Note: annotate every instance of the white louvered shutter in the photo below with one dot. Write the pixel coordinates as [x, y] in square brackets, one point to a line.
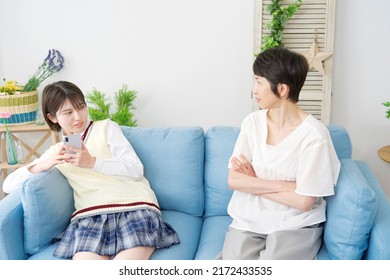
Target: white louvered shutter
[314, 17]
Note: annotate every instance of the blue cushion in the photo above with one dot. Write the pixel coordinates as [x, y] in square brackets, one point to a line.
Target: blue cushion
[213, 236]
[173, 161]
[47, 201]
[46, 254]
[188, 228]
[341, 141]
[379, 242]
[220, 141]
[350, 215]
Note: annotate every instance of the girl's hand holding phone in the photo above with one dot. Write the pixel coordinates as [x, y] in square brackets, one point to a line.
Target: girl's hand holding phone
[55, 159]
[79, 157]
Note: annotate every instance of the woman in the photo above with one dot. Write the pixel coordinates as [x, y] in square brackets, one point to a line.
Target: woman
[282, 166]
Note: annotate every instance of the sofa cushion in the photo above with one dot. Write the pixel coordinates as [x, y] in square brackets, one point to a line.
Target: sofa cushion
[341, 141]
[47, 201]
[188, 229]
[350, 215]
[173, 160]
[213, 236]
[46, 254]
[378, 243]
[219, 141]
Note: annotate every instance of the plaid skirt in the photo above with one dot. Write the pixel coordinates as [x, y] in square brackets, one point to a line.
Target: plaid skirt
[108, 234]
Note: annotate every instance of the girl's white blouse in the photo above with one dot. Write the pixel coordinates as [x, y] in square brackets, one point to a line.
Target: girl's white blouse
[306, 156]
[124, 161]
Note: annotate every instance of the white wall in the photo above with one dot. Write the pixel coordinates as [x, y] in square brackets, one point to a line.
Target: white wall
[361, 79]
[190, 60]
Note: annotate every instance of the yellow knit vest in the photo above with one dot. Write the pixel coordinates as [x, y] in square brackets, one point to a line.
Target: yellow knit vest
[98, 193]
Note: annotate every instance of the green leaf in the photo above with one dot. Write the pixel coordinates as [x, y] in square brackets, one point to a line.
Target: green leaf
[280, 16]
[99, 107]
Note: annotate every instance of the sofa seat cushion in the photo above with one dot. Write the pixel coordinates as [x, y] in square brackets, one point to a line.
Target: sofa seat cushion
[46, 254]
[212, 237]
[47, 201]
[188, 228]
[350, 215]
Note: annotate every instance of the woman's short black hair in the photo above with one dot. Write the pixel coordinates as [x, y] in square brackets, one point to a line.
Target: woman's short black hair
[281, 66]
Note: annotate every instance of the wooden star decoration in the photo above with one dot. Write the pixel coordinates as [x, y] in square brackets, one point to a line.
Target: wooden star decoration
[315, 58]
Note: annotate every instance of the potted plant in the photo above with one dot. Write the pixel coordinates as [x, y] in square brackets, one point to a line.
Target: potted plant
[99, 106]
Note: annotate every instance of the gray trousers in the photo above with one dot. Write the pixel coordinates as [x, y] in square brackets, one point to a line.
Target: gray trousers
[300, 244]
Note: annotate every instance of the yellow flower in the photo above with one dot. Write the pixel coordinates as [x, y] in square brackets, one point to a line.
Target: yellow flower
[11, 87]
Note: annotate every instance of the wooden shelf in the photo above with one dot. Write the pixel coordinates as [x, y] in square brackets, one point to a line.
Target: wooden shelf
[25, 128]
[33, 150]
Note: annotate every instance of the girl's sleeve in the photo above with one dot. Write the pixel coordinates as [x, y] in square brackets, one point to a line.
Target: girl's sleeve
[124, 160]
[16, 179]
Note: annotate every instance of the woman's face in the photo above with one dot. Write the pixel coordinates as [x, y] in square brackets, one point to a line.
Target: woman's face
[263, 93]
[70, 119]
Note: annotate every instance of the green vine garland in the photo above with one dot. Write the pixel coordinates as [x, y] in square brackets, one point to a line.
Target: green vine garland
[280, 15]
[387, 104]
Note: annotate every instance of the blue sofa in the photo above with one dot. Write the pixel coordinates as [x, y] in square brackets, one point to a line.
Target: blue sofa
[187, 168]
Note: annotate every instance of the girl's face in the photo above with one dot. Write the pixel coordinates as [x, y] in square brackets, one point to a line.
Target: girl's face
[70, 119]
[263, 94]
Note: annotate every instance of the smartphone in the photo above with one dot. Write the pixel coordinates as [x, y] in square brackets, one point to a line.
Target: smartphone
[73, 140]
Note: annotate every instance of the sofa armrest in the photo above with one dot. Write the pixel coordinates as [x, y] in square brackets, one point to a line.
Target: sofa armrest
[48, 204]
[379, 241]
[11, 228]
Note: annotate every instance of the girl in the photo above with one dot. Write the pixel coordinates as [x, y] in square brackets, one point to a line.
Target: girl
[117, 214]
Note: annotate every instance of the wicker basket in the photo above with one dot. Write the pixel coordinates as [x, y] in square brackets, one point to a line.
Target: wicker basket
[22, 107]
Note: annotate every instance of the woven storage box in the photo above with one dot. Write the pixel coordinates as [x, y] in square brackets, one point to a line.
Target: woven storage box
[22, 107]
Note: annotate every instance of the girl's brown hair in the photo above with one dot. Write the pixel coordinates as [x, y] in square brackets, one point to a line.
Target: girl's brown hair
[53, 97]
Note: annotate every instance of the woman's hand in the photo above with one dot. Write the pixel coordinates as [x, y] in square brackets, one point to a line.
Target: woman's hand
[242, 177]
[81, 158]
[242, 165]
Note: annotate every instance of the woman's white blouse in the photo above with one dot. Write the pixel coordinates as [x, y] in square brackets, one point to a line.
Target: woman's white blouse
[306, 156]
